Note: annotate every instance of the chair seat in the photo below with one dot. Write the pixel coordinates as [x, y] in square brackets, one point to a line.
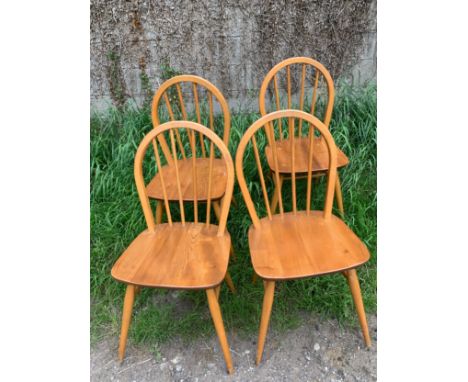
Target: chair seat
[301, 151]
[218, 182]
[296, 246]
[187, 257]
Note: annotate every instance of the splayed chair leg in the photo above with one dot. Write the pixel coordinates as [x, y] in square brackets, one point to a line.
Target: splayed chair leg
[217, 211]
[266, 312]
[353, 282]
[219, 326]
[274, 199]
[339, 195]
[126, 319]
[159, 211]
[229, 282]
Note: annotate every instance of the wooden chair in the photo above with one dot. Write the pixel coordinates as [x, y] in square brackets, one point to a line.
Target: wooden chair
[193, 89]
[300, 243]
[322, 85]
[180, 255]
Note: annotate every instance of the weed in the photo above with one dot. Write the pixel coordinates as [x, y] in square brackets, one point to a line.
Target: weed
[115, 76]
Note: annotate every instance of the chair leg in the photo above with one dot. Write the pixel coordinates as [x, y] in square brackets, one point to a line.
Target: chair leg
[159, 211]
[219, 326]
[229, 282]
[232, 253]
[216, 208]
[353, 282]
[254, 277]
[266, 312]
[274, 199]
[227, 278]
[217, 290]
[338, 195]
[126, 319]
[217, 211]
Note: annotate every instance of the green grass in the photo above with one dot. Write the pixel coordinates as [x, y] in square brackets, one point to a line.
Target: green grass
[116, 218]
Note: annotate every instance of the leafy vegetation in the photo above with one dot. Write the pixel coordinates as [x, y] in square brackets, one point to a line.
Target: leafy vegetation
[116, 218]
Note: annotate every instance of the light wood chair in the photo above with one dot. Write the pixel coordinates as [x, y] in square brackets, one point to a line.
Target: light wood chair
[300, 243]
[301, 69]
[180, 255]
[184, 94]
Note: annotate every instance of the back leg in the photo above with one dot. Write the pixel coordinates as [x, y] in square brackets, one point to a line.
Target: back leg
[353, 282]
[159, 211]
[219, 326]
[217, 211]
[274, 199]
[229, 282]
[339, 195]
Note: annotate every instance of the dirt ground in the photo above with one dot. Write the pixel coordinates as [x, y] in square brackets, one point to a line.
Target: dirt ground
[316, 351]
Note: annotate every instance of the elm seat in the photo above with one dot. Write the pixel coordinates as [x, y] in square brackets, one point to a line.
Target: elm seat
[296, 246]
[301, 151]
[218, 182]
[189, 257]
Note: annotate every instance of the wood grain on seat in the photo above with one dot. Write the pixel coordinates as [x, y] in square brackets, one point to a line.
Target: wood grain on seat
[301, 245]
[301, 151]
[189, 257]
[218, 179]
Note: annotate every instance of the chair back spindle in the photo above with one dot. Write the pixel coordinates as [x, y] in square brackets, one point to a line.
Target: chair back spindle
[163, 183]
[176, 167]
[197, 111]
[293, 157]
[301, 95]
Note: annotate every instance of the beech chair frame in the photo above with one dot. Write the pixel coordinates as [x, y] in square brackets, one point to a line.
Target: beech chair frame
[320, 70]
[213, 93]
[294, 219]
[125, 269]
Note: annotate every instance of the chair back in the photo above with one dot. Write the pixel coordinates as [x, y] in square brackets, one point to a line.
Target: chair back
[302, 75]
[215, 148]
[256, 134]
[188, 97]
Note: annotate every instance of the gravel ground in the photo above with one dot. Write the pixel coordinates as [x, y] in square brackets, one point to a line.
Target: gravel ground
[316, 351]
